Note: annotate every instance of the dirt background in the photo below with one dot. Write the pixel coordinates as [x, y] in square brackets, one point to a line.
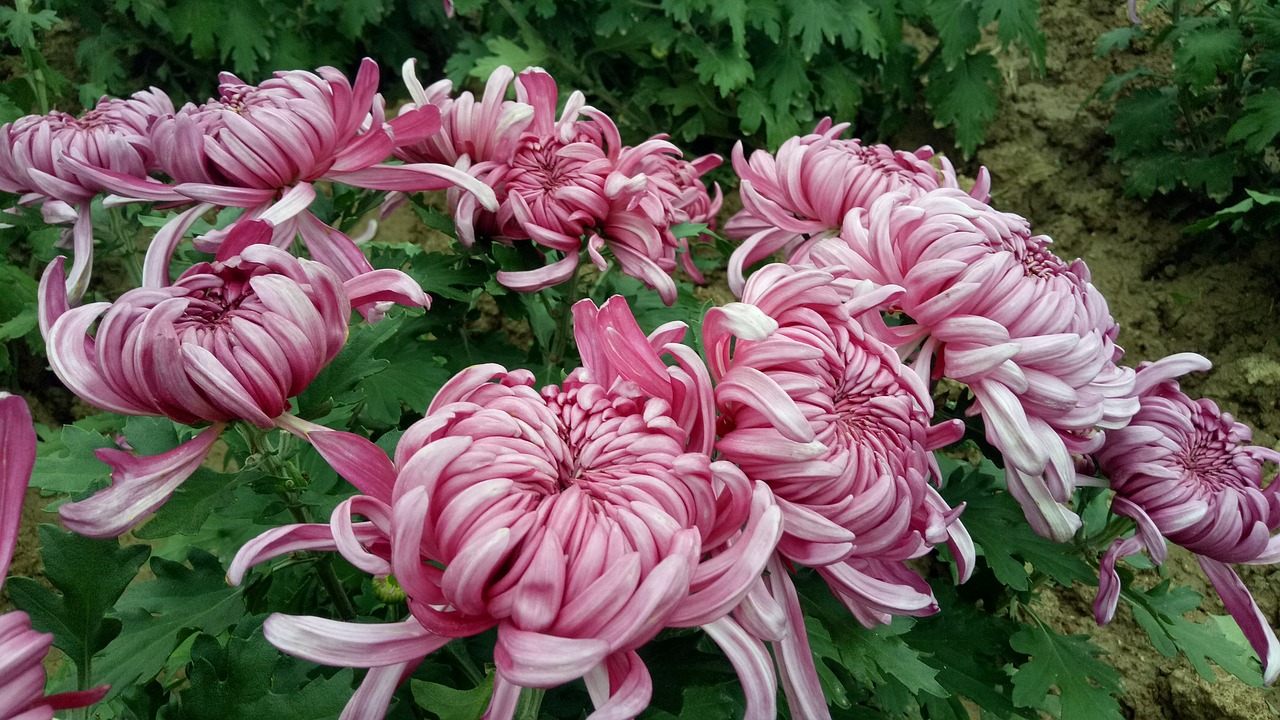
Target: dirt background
[1047, 155]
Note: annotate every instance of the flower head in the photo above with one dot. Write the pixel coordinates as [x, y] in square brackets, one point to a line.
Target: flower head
[804, 192]
[22, 649]
[991, 306]
[483, 131]
[229, 340]
[113, 136]
[580, 520]
[1183, 470]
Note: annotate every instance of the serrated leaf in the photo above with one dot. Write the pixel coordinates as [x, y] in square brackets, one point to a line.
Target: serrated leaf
[1000, 530]
[964, 97]
[20, 23]
[726, 68]
[1141, 120]
[1087, 687]
[88, 577]
[185, 512]
[1117, 39]
[157, 615]
[956, 22]
[248, 678]
[1205, 51]
[503, 51]
[1017, 22]
[1260, 122]
[65, 462]
[411, 378]
[1161, 611]
[199, 22]
[450, 703]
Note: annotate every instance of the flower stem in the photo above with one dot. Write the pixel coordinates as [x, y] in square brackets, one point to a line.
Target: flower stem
[459, 652]
[529, 704]
[563, 315]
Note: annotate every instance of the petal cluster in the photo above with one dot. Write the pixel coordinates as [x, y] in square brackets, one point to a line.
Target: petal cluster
[1184, 471]
[579, 520]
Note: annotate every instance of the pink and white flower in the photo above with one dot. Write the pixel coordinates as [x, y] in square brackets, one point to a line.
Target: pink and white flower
[828, 416]
[580, 520]
[1183, 470]
[804, 192]
[991, 306]
[260, 147]
[112, 136]
[22, 649]
[229, 340]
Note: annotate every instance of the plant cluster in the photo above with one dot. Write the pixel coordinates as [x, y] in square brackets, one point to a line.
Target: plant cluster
[1197, 120]
[560, 483]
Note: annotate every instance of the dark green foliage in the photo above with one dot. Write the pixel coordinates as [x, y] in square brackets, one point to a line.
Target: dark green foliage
[1161, 611]
[1086, 686]
[1201, 130]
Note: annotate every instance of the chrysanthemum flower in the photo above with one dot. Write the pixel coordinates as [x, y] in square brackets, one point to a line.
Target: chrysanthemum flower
[112, 136]
[229, 340]
[483, 131]
[258, 145]
[804, 193]
[22, 649]
[991, 306]
[840, 430]
[567, 179]
[1183, 470]
[580, 520]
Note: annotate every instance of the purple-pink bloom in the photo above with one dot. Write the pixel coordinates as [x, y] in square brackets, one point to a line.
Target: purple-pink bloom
[580, 520]
[840, 430]
[482, 131]
[22, 649]
[804, 192]
[229, 340]
[991, 306]
[261, 146]
[1183, 470]
[112, 136]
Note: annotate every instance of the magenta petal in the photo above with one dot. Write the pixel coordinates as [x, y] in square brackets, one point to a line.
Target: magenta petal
[751, 661]
[139, 485]
[288, 539]
[82, 249]
[18, 440]
[528, 281]
[385, 286]
[534, 659]
[155, 267]
[1104, 605]
[373, 697]
[52, 295]
[356, 645]
[1235, 596]
[357, 460]
[628, 691]
[799, 675]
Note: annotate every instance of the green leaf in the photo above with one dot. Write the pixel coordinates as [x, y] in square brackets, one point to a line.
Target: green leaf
[1260, 122]
[88, 577]
[185, 512]
[451, 704]
[964, 97]
[1018, 22]
[1142, 119]
[65, 462]
[1161, 611]
[506, 52]
[159, 614]
[1118, 39]
[727, 68]
[248, 678]
[1000, 530]
[411, 378]
[1087, 687]
[20, 23]
[354, 363]
[198, 21]
[957, 25]
[699, 702]
[1205, 51]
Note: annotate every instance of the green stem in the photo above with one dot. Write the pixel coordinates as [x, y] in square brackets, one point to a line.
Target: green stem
[529, 704]
[564, 322]
[459, 652]
[324, 568]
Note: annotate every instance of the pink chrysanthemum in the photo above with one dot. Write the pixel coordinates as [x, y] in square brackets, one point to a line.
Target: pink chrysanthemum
[261, 146]
[482, 131]
[580, 520]
[112, 136]
[804, 192]
[22, 649]
[840, 430]
[233, 339]
[1183, 470]
[991, 306]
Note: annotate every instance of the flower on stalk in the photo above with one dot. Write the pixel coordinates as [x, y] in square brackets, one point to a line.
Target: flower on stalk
[991, 306]
[482, 131]
[1183, 470]
[567, 178]
[22, 649]
[804, 193]
[112, 136]
[260, 147]
[229, 340]
[580, 520]
[840, 430]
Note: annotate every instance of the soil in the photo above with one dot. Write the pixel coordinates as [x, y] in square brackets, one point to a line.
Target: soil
[1047, 155]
